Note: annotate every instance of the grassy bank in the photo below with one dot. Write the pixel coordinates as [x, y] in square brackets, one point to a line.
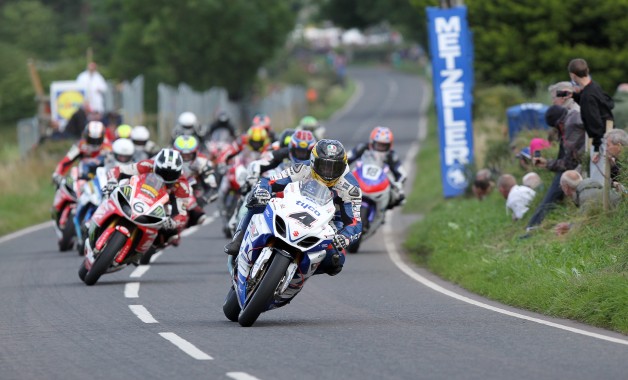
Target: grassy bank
[582, 275]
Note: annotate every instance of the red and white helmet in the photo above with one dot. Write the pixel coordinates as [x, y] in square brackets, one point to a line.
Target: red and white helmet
[381, 139]
[94, 134]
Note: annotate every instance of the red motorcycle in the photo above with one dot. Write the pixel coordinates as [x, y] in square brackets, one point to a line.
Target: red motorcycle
[125, 226]
[64, 204]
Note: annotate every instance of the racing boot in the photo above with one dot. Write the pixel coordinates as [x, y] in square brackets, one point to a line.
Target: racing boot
[233, 247]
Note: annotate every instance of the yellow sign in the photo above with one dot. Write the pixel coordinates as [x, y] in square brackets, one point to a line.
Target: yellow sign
[68, 102]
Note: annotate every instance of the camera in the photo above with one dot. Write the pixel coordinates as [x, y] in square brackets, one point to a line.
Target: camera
[537, 153]
[562, 94]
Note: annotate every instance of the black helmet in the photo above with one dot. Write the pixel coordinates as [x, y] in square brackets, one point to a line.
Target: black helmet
[328, 161]
[168, 165]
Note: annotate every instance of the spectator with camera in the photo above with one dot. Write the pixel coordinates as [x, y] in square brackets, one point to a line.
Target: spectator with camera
[571, 146]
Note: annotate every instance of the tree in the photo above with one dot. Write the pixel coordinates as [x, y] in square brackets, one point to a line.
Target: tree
[203, 43]
[30, 26]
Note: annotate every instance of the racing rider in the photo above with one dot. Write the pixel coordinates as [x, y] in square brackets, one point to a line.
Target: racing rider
[381, 141]
[328, 165]
[168, 164]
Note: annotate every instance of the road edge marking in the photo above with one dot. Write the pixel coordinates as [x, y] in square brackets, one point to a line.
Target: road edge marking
[25, 231]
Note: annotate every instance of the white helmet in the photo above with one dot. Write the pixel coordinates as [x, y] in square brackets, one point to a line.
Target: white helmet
[168, 165]
[140, 135]
[188, 120]
[123, 151]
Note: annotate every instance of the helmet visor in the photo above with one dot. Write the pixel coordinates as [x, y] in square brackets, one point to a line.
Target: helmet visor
[122, 158]
[95, 141]
[188, 157]
[257, 145]
[300, 153]
[329, 170]
[381, 147]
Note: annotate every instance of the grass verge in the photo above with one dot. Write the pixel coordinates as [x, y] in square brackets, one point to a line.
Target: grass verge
[581, 276]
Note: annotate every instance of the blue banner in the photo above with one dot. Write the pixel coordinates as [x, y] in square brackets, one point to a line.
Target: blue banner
[451, 52]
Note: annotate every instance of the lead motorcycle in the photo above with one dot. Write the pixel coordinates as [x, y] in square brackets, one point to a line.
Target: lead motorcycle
[372, 175]
[282, 248]
[124, 226]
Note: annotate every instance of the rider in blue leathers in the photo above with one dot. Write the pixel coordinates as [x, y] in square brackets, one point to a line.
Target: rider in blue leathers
[328, 165]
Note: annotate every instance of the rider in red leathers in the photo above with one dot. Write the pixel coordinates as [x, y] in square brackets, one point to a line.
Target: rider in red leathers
[168, 164]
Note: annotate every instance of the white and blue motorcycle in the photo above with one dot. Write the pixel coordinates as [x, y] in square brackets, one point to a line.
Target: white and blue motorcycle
[282, 248]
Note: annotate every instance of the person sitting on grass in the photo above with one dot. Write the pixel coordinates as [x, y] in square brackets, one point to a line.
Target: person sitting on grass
[585, 193]
[482, 185]
[517, 197]
[616, 141]
[532, 180]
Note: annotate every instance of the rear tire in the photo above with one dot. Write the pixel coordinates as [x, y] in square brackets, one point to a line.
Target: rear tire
[231, 307]
[82, 271]
[105, 258]
[265, 292]
[68, 234]
[364, 215]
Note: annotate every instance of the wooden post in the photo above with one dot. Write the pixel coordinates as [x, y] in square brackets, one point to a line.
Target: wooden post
[607, 173]
[89, 55]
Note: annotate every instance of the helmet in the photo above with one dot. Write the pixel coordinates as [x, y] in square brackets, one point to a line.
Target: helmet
[123, 150]
[188, 120]
[223, 117]
[262, 120]
[381, 139]
[257, 138]
[301, 145]
[187, 146]
[284, 137]
[309, 123]
[328, 161]
[123, 131]
[94, 134]
[140, 135]
[168, 165]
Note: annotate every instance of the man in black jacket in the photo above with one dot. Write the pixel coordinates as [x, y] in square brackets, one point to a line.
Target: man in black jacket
[595, 104]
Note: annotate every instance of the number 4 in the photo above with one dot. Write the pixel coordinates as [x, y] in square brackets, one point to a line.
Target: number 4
[304, 218]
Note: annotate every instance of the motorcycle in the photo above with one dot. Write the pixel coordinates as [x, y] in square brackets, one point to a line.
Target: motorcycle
[372, 175]
[89, 200]
[64, 203]
[282, 248]
[124, 226]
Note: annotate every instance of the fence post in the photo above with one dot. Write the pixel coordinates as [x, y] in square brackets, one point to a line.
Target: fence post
[607, 172]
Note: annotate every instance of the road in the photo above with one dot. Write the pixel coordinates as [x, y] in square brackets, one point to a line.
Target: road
[372, 321]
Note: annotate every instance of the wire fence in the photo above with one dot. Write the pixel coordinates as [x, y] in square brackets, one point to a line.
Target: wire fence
[28, 134]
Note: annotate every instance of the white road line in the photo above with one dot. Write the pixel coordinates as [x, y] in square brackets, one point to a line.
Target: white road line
[132, 290]
[241, 376]
[143, 314]
[25, 231]
[139, 271]
[154, 257]
[186, 346]
[189, 231]
[395, 257]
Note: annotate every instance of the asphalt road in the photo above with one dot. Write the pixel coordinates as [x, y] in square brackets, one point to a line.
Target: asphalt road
[370, 322]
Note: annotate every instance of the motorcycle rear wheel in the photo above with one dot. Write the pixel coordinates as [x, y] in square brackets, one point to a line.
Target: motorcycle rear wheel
[265, 292]
[105, 258]
[231, 307]
[364, 215]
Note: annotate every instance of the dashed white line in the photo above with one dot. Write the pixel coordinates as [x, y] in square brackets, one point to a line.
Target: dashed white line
[154, 257]
[186, 346]
[132, 290]
[143, 314]
[139, 271]
[241, 376]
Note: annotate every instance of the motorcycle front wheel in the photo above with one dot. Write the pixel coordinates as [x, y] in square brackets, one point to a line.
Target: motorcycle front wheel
[263, 295]
[105, 258]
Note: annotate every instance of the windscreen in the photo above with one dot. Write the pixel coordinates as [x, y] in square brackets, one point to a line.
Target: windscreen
[316, 192]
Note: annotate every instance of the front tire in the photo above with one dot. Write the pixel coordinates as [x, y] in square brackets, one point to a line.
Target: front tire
[105, 258]
[82, 271]
[265, 292]
[231, 307]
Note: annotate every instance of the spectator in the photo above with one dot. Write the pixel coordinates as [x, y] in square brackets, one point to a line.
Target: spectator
[532, 180]
[538, 144]
[616, 140]
[562, 95]
[571, 145]
[79, 119]
[585, 193]
[482, 185]
[95, 87]
[517, 197]
[524, 157]
[111, 120]
[595, 106]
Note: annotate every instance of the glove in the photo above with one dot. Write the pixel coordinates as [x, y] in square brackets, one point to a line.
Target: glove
[110, 186]
[57, 179]
[340, 242]
[259, 197]
[169, 224]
